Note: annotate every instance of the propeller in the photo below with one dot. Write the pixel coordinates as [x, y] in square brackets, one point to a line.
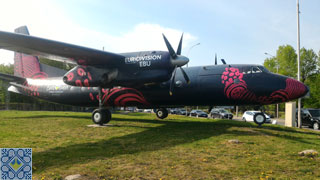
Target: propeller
[177, 60]
[223, 61]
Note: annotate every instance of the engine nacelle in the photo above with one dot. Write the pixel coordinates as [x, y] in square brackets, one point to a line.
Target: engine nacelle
[127, 75]
[89, 76]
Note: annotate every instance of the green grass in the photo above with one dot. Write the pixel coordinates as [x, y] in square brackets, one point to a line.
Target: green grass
[139, 146]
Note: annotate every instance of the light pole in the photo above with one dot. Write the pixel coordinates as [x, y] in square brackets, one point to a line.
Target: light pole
[298, 49]
[191, 48]
[277, 73]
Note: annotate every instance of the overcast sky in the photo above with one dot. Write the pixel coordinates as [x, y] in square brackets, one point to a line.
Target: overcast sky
[238, 31]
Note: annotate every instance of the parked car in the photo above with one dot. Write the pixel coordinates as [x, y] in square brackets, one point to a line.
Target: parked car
[131, 109]
[198, 113]
[147, 110]
[310, 118]
[173, 111]
[181, 112]
[221, 114]
[248, 116]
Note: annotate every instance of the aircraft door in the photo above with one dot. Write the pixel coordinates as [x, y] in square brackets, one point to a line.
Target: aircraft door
[210, 85]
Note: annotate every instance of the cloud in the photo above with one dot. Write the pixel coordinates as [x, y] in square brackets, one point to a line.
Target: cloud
[142, 37]
[47, 20]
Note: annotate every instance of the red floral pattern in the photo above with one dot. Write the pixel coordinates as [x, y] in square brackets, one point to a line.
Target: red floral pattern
[239, 91]
[120, 97]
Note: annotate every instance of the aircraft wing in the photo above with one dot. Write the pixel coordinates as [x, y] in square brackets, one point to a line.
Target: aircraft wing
[58, 51]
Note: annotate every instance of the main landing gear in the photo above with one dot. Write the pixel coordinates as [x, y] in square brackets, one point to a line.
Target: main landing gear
[162, 113]
[101, 115]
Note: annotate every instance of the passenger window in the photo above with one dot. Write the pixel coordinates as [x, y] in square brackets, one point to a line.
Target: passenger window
[246, 70]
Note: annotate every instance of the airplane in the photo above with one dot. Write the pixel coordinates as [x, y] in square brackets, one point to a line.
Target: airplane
[147, 79]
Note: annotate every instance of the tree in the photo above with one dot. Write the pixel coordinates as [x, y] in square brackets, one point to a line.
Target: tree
[7, 69]
[271, 64]
[313, 82]
[287, 60]
[57, 64]
[308, 63]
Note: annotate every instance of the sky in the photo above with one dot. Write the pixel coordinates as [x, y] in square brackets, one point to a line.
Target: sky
[238, 31]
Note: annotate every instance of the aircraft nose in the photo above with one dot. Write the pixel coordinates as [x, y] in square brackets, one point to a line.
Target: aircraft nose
[296, 89]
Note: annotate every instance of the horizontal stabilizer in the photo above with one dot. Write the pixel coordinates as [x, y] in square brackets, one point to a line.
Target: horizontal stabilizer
[10, 78]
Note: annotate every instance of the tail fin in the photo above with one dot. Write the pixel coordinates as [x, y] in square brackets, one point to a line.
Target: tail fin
[28, 66]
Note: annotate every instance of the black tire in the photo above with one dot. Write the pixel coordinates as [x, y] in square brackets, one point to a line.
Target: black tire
[315, 126]
[259, 118]
[108, 116]
[101, 116]
[162, 113]
[244, 119]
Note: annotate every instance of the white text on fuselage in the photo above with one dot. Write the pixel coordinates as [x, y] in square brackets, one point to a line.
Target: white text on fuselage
[144, 61]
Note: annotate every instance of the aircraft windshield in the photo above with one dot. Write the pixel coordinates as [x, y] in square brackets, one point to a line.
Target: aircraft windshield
[263, 69]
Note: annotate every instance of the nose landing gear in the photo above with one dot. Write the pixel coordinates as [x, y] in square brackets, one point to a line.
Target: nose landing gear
[259, 118]
[162, 113]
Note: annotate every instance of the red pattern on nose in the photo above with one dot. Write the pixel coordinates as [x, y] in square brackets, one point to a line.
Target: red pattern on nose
[295, 89]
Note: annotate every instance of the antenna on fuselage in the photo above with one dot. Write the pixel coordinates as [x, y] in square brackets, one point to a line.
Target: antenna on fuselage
[215, 60]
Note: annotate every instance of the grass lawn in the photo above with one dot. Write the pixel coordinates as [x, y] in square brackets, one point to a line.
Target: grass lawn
[139, 146]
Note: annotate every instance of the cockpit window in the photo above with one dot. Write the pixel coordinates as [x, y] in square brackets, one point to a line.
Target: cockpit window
[254, 69]
[263, 69]
[246, 70]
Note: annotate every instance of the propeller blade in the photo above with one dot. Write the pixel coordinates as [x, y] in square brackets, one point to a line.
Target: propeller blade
[185, 76]
[172, 80]
[180, 46]
[215, 60]
[223, 61]
[170, 49]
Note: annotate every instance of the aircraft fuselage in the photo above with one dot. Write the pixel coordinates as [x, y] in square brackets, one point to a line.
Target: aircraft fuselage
[210, 85]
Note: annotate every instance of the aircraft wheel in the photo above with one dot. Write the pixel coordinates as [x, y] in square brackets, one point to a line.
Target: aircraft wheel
[244, 119]
[101, 116]
[259, 118]
[162, 113]
[316, 126]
